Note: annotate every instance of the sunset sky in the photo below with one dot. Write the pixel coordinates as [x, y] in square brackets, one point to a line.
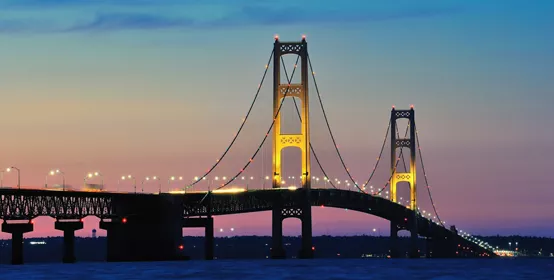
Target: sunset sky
[160, 87]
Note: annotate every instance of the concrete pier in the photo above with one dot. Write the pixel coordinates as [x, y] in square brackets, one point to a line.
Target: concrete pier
[68, 228]
[17, 230]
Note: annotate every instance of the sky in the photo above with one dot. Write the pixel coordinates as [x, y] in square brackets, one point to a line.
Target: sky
[148, 87]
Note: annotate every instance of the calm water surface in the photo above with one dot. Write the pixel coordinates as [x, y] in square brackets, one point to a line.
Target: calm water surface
[291, 269]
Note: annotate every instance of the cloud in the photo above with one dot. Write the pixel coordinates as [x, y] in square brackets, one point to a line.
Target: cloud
[249, 15]
[41, 4]
[14, 26]
[258, 15]
[117, 21]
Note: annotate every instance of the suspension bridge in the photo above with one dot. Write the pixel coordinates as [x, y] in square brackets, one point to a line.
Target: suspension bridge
[148, 226]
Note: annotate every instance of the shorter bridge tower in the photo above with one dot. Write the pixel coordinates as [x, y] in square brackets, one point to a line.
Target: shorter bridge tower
[300, 208]
[407, 176]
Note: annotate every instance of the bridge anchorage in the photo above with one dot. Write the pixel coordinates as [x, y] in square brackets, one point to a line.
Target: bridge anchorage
[148, 227]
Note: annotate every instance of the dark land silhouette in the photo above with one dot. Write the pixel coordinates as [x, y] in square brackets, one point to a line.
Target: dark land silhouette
[49, 249]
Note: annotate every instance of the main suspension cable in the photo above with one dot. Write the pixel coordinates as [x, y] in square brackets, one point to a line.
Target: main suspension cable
[378, 158]
[425, 177]
[265, 137]
[198, 179]
[300, 117]
[395, 164]
[329, 128]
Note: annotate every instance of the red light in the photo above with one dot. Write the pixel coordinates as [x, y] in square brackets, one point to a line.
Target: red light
[304, 37]
[81, 220]
[405, 219]
[181, 247]
[276, 37]
[32, 222]
[393, 106]
[313, 248]
[124, 220]
[412, 106]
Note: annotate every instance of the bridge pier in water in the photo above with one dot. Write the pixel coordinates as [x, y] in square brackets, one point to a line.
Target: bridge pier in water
[393, 241]
[17, 230]
[411, 225]
[277, 249]
[208, 225]
[152, 233]
[68, 228]
[304, 213]
[444, 245]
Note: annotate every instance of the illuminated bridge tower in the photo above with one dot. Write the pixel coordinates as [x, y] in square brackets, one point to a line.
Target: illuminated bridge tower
[301, 207]
[408, 176]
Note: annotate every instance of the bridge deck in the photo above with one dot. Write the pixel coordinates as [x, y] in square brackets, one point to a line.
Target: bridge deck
[28, 204]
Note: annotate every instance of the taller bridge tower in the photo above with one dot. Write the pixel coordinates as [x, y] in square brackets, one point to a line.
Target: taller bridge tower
[408, 176]
[301, 209]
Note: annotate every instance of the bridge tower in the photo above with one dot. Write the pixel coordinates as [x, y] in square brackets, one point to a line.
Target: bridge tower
[302, 207]
[407, 176]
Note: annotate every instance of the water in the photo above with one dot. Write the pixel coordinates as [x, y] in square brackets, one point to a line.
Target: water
[292, 269]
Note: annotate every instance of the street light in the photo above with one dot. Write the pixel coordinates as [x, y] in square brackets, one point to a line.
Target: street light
[251, 178]
[95, 174]
[9, 169]
[152, 178]
[266, 179]
[196, 179]
[210, 183]
[54, 172]
[203, 179]
[129, 177]
[172, 178]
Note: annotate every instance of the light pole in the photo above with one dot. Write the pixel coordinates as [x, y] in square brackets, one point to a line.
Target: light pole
[196, 179]
[95, 174]
[172, 178]
[204, 178]
[1, 179]
[9, 169]
[210, 183]
[266, 179]
[159, 183]
[148, 179]
[54, 172]
[129, 177]
[251, 178]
